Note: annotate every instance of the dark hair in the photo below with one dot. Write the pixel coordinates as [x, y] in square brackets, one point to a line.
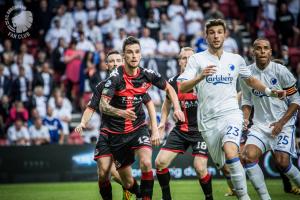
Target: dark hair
[215, 22]
[129, 41]
[261, 39]
[111, 53]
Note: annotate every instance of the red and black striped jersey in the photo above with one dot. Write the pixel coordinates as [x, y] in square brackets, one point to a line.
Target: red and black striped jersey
[126, 92]
[188, 103]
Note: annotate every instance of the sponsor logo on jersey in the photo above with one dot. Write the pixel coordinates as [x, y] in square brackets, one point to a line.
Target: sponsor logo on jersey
[219, 79]
[258, 93]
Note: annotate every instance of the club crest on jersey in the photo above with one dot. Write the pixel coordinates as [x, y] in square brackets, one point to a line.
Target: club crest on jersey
[273, 81]
[231, 67]
[219, 79]
[258, 93]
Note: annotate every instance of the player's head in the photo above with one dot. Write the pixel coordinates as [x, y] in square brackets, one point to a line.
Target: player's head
[215, 33]
[262, 51]
[113, 60]
[183, 57]
[132, 52]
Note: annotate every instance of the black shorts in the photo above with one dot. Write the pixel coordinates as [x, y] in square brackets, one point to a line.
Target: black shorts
[122, 146]
[179, 142]
[102, 149]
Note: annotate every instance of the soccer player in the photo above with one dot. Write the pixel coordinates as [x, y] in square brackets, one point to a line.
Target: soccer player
[103, 155]
[273, 121]
[129, 136]
[214, 72]
[183, 135]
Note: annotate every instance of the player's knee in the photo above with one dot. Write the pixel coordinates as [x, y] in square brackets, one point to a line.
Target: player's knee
[103, 173]
[160, 163]
[201, 170]
[128, 183]
[249, 157]
[145, 164]
[282, 161]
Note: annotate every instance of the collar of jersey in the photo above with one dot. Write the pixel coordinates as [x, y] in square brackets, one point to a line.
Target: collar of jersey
[129, 76]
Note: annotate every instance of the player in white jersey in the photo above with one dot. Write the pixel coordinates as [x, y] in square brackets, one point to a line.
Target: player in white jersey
[214, 72]
[273, 121]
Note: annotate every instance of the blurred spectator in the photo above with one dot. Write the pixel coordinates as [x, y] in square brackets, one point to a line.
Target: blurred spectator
[58, 94]
[4, 114]
[92, 12]
[62, 113]
[87, 70]
[65, 18]
[79, 14]
[100, 75]
[73, 59]
[294, 8]
[176, 14]
[214, 12]
[285, 25]
[80, 27]
[153, 25]
[93, 32]
[118, 23]
[18, 134]
[39, 101]
[41, 58]
[236, 34]
[148, 44]
[44, 16]
[18, 111]
[298, 76]
[230, 44]
[182, 41]
[105, 15]
[168, 47]
[15, 69]
[199, 42]
[5, 83]
[55, 33]
[21, 89]
[284, 56]
[44, 79]
[269, 9]
[165, 25]
[39, 133]
[57, 59]
[84, 44]
[34, 114]
[251, 8]
[132, 22]
[54, 126]
[27, 59]
[91, 132]
[194, 19]
[118, 42]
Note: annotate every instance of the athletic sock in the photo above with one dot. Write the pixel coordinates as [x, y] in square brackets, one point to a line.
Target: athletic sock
[147, 183]
[164, 177]
[238, 178]
[293, 174]
[105, 190]
[134, 189]
[256, 177]
[205, 183]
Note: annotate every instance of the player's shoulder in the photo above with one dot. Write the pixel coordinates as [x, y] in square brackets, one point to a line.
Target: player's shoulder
[149, 72]
[233, 56]
[116, 72]
[278, 67]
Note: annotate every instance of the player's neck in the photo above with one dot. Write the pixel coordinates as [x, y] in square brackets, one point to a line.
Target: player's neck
[262, 66]
[216, 52]
[130, 70]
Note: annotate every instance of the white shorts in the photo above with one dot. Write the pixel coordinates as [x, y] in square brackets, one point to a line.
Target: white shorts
[221, 130]
[285, 140]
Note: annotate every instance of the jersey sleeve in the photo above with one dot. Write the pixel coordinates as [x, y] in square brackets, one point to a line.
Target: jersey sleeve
[244, 71]
[94, 101]
[156, 79]
[246, 94]
[110, 85]
[287, 81]
[191, 70]
[146, 98]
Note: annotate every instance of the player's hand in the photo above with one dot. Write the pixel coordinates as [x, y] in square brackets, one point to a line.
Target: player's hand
[128, 114]
[178, 115]
[281, 94]
[277, 127]
[209, 70]
[161, 130]
[155, 139]
[79, 128]
[245, 125]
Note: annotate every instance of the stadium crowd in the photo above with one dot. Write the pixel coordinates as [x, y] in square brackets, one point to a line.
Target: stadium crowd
[50, 75]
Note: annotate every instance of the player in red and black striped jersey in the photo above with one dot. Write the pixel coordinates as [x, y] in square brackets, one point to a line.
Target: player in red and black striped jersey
[102, 154]
[129, 136]
[183, 135]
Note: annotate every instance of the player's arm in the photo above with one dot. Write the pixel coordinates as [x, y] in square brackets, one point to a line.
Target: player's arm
[294, 99]
[178, 114]
[110, 110]
[165, 110]
[155, 139]
[246, 102]
[87, 115]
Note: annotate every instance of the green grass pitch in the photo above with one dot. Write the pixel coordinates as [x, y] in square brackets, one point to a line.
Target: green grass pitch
[181, 190]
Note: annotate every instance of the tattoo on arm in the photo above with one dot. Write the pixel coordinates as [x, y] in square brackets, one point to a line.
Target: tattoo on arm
[107, 109]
